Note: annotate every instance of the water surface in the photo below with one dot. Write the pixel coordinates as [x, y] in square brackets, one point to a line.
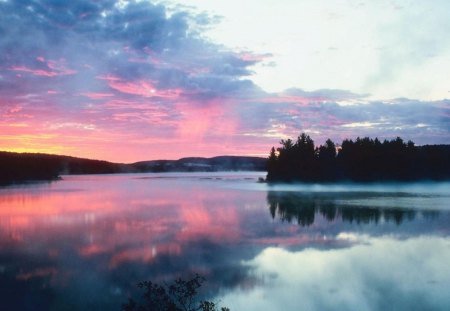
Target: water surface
[82, 243]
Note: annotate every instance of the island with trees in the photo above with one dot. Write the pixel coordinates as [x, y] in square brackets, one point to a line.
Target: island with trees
[362, 160]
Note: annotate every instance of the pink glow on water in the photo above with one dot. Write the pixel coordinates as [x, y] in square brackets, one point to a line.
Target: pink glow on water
[110, 221]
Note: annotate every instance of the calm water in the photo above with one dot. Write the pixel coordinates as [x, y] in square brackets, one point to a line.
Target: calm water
[84, 242]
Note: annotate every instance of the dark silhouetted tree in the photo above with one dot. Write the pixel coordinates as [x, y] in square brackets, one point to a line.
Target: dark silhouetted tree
[326, 157]
[181, 295]
[272, 162]
[364, 159]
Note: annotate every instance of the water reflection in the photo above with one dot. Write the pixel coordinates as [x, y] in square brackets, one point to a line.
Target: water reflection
[379, 274]
[88, 240]
[303, 208]
[83, 243]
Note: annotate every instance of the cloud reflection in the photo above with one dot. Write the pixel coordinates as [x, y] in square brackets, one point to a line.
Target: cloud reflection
[381, 274]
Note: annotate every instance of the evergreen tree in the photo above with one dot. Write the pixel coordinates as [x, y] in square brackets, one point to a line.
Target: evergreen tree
[364, 159]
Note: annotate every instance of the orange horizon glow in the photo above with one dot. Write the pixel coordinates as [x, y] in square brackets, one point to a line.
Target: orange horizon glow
[192, 137]
[127, 157]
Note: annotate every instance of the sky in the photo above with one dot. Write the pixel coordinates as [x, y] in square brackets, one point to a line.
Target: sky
[138, 80]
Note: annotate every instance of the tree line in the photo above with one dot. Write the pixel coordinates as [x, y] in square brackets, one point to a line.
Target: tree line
[22, 167]
[363, 159]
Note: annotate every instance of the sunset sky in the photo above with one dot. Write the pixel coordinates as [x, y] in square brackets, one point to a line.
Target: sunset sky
[140, 80]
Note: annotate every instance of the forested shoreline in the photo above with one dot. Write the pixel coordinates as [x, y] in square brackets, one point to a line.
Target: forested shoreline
[31, 167]
[362, 160]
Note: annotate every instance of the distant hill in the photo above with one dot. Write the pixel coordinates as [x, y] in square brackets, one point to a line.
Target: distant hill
[222, 163]
[23, 167]
[20, 167]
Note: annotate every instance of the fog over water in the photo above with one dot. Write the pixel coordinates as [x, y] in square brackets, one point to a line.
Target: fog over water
[84, 242]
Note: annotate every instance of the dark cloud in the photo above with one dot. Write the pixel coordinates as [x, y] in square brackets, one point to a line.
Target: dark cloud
[324, 94]
[233, 66]
[136, 40]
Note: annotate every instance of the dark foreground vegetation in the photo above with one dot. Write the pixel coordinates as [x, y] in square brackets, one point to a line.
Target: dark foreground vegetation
[24, 167]
[362, 160]
[181, 295]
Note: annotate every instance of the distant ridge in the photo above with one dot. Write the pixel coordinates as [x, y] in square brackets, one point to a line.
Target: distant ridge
[197, 164]
[23, 167]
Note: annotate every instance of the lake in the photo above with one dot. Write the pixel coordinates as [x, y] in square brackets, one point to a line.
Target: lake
[82, 243]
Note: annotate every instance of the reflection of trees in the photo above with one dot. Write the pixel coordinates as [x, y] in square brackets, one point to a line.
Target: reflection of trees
[288, 209]
[397, 216]
[360, 215]
[304, 208]
[430, 215]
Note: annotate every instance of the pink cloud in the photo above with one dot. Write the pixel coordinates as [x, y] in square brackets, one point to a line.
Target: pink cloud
[36, 72]
[198, 122]
[251, 57]
[54, 68]
[14, 109]
[126, 104]
[143, 88]
[108, 77]
[93, 95]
